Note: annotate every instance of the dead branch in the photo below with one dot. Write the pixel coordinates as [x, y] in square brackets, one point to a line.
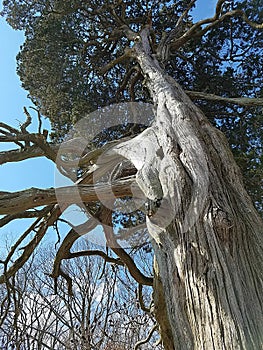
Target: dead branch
[37, 139]
[64, 253]
[17, 202]
[23, 215]
[241, 101]
[27, 122]
[103, 255]
[18, 155]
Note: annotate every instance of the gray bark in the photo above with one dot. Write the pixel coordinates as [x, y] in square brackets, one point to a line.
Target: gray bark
[207, 236]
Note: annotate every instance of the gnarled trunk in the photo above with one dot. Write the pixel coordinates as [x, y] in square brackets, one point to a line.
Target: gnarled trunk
[207, 236]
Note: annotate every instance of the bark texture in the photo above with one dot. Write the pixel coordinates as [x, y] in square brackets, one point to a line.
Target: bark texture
[207, 236]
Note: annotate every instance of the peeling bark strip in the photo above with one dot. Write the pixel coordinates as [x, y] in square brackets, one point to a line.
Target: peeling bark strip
[209, 255]
[16, 202]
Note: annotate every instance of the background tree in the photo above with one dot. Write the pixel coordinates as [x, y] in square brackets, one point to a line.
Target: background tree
[208, 266]
[103, 313]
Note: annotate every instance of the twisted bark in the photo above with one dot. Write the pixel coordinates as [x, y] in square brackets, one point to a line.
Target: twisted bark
[207, 236]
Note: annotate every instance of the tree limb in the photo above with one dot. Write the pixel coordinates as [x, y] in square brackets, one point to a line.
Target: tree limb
[18, 155]
[113, 63]
[105, 217]
[144, 341]
[31, 246]
[23, 215]
[241, 101]
[208, 23]
[16, 202]
[140, 298]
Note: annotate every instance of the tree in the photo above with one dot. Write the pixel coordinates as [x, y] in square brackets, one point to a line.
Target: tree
[102, 313]
[206, 233]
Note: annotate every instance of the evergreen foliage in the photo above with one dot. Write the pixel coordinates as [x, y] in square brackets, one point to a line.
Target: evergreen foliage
[69, 42]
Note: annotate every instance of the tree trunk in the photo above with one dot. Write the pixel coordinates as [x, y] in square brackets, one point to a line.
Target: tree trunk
[207, 234]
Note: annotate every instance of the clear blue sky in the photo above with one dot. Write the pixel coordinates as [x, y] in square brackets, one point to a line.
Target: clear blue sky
[36, 172]
[30, 173]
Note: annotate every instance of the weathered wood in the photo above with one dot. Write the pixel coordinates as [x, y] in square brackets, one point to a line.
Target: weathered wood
[16, 202]
[210, 244]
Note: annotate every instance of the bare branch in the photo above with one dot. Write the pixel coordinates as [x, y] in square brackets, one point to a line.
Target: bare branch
[16, 202]
[39, 119]
[96, 253]
[144, 341]
[140, 298]
[31, 246]
[241, 101]
[23, 215]
[9, 128]
[18, 155]
[38, 139]
[105, 217]
[27, 122]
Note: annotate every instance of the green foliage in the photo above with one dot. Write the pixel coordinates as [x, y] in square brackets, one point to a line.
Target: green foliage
[68, 42]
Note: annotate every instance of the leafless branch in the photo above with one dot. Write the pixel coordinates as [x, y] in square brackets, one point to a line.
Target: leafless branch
[23, 215]
[140, 298]
[241, 101]
[18, 155]
[37, 139]
[16, 202]
[31, 246]
[144, 341]
[39, 119]
[105, 217]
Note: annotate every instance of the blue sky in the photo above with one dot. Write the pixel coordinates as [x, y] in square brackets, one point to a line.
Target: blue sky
[30, 173]
[37, 172]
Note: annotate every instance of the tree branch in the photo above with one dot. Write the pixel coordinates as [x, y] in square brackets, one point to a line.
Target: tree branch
[18, 155]
[38, 139]
[113, 63]
[23, 215]
[103, 255]
[144, 341]
[105, 217]
[241, 101]
[31, 246]
[16, 202]
[140, 298]
[196, 30]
